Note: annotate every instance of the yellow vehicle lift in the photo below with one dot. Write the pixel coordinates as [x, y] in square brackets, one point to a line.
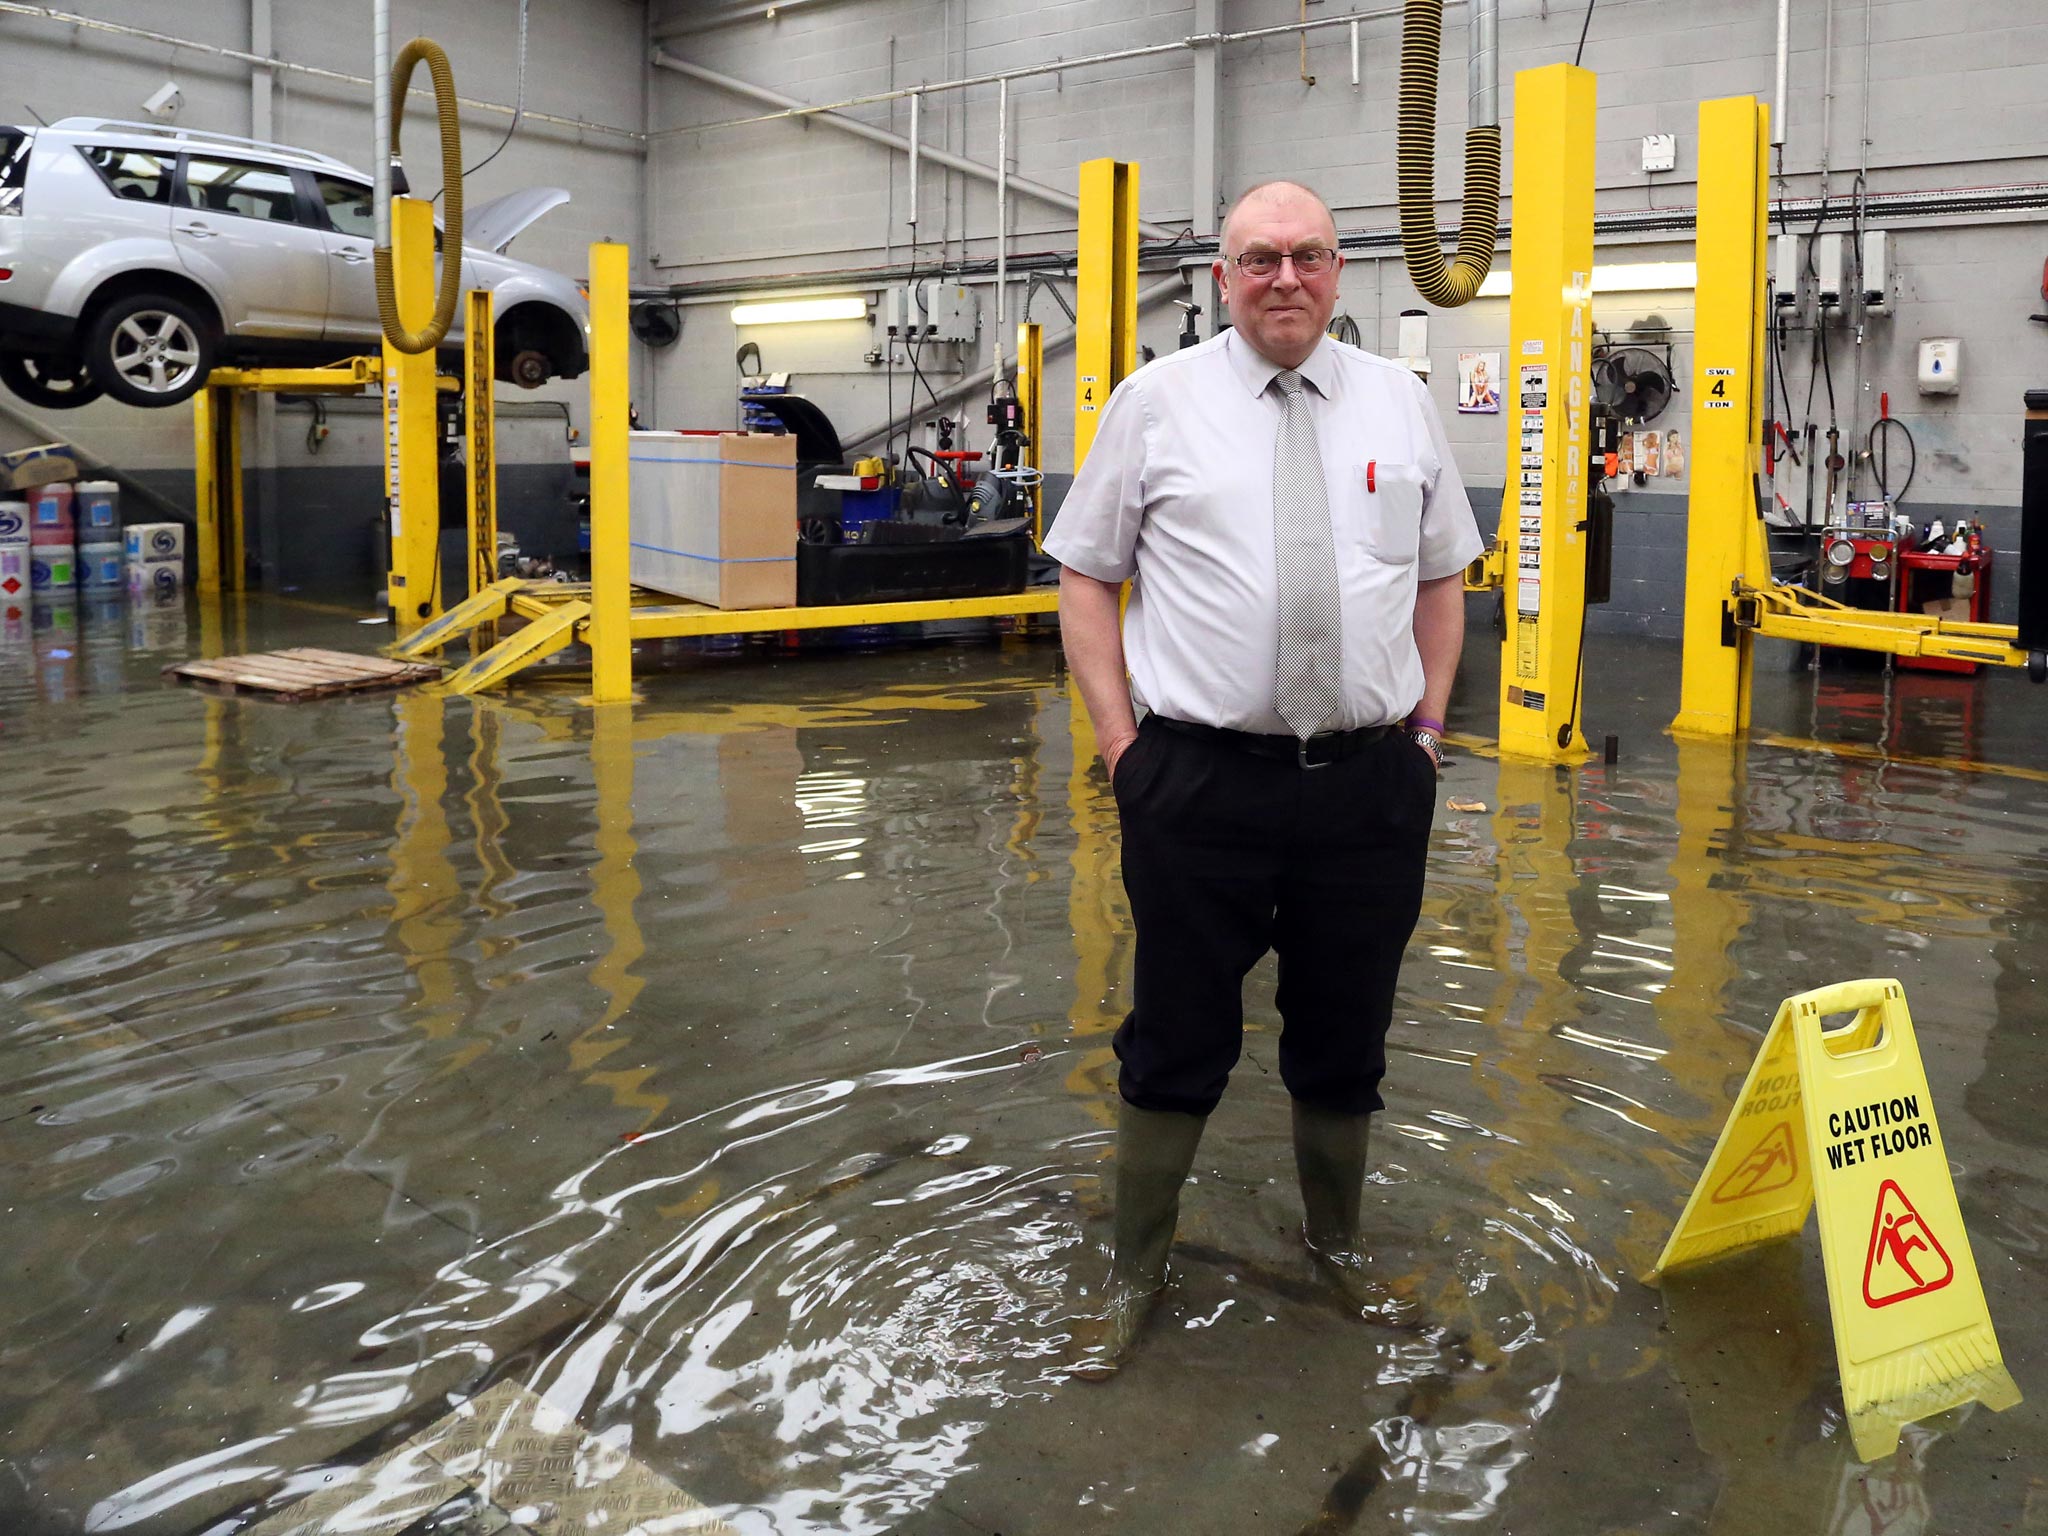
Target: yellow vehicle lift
[1541, 546]
[608, 614]
[409, 386]
[1730, 594]
[1538, 556]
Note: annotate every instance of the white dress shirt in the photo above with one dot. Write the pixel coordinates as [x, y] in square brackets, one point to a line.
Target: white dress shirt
[1176, 496]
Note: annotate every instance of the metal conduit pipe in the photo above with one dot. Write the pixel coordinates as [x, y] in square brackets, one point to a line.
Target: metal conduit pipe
[1002, 217]
[1454, 283]
[2018, 197]
[380, 114]
[1148, 298]
[1784, 57]
[264, 61]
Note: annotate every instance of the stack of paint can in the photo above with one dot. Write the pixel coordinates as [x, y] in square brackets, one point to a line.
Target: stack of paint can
[14, 570]
[53, 547]
[156, 560]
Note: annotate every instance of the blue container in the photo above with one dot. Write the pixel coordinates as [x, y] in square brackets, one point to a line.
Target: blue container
[857, 509]
[96, 512]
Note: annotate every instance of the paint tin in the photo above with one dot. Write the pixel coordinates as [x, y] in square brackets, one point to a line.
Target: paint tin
[53, 573]
[49, 515]
[102, 568]
[96, 512]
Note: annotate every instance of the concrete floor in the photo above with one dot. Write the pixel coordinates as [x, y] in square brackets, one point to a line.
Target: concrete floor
[732, 1076]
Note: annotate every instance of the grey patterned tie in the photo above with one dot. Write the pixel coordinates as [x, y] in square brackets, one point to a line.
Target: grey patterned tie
[1307, 681]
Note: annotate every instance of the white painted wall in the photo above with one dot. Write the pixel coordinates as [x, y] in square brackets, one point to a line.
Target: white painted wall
[583, 62]
[1955, 102]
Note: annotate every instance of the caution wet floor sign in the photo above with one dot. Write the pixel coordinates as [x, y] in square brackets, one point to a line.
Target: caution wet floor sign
[1841, 1118]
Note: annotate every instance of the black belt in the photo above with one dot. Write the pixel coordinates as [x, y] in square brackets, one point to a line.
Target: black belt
[1316, 752]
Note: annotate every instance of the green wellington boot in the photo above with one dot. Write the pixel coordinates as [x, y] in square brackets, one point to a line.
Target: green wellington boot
[1330, 1154]
[1154, 1151]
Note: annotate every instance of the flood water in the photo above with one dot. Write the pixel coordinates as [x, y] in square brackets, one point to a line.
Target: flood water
[721, 1086]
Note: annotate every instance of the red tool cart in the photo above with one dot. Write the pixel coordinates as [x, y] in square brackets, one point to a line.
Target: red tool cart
[1927, 579]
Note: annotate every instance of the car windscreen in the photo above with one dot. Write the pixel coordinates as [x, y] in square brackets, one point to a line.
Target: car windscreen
[14, 147]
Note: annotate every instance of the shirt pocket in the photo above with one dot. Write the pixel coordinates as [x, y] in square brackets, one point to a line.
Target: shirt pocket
[1393, 509]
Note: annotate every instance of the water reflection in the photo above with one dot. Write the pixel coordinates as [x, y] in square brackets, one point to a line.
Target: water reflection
[722, 1087]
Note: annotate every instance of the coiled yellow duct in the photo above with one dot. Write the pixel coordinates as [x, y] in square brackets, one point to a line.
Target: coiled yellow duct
[451, 189]
[1453, 283]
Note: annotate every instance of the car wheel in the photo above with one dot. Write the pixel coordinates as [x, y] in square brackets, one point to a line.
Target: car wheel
[529, 369]
[54, 383]
[150, 349]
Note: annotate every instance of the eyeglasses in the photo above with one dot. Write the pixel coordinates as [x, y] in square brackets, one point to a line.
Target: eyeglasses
[1308, 261]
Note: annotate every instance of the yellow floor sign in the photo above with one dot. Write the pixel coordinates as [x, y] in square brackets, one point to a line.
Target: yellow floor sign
[1842, 1118]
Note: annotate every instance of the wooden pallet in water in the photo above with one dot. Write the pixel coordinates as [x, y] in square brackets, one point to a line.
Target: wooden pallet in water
[303, 672]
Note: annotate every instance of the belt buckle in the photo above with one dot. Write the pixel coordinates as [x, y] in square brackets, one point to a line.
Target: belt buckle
[1301, 755]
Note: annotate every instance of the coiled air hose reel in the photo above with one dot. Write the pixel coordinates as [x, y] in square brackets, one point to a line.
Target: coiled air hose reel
[395, 332]
[1453, 283]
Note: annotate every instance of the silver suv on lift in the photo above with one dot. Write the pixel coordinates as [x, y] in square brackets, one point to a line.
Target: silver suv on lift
[135, 257]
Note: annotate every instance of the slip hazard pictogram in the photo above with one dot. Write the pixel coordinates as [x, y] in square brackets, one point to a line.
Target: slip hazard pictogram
[1906, 1259]
[1771, 1164]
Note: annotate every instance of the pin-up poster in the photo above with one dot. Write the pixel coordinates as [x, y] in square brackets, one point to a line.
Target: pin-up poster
[1479, 381]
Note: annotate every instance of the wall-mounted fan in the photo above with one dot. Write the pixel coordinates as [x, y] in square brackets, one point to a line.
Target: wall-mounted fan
[1633, 382]
[1633, 372]
[655, 324]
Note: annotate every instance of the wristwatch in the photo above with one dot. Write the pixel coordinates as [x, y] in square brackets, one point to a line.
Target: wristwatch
[1430, 742]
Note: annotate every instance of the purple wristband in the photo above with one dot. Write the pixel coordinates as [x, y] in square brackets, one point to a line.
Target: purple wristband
[1424, 723]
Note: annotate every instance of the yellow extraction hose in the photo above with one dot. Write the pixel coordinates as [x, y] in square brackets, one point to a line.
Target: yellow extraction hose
[414, 342]
[1453, 283]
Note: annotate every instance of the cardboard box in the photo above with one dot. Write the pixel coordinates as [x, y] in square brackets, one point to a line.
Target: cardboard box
[42, 465]
[713, 517]
[1953, 609]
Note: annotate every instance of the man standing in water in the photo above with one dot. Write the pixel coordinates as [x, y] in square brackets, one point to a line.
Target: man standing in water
[1288, 514]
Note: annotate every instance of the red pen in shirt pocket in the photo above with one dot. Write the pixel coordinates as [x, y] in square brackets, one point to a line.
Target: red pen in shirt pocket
[1371, 484]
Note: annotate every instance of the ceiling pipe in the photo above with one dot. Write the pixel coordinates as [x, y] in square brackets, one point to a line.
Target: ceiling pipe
[263, 61]
[873, 135]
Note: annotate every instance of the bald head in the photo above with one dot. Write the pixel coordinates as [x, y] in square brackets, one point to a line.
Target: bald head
[1291, 195]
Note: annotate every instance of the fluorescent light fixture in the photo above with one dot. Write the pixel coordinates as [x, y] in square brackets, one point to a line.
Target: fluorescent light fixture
[1623, 277]
[793, 311]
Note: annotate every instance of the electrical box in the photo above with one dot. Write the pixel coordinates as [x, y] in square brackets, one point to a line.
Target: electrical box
[1876, 267]
[1785, 271]
[1660, 151]
[931, 310]
[1827, 272]
[1941, 365]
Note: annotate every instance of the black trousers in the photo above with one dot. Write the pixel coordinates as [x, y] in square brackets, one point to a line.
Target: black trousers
[1227, 855]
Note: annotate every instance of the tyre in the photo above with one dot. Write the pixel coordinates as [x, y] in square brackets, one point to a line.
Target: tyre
[55, 383]
[150, 349]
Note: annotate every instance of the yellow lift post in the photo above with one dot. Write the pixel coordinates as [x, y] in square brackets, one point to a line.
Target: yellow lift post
[1031, 399]
[1543, 513]
[412, 481]
[1105, 293]
[1730, 594]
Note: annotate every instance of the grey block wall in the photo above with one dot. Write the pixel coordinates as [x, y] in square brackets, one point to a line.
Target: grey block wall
[1954, 102]
[584, 62]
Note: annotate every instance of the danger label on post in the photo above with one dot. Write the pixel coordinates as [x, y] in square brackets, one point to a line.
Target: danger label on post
[1906, 1259]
